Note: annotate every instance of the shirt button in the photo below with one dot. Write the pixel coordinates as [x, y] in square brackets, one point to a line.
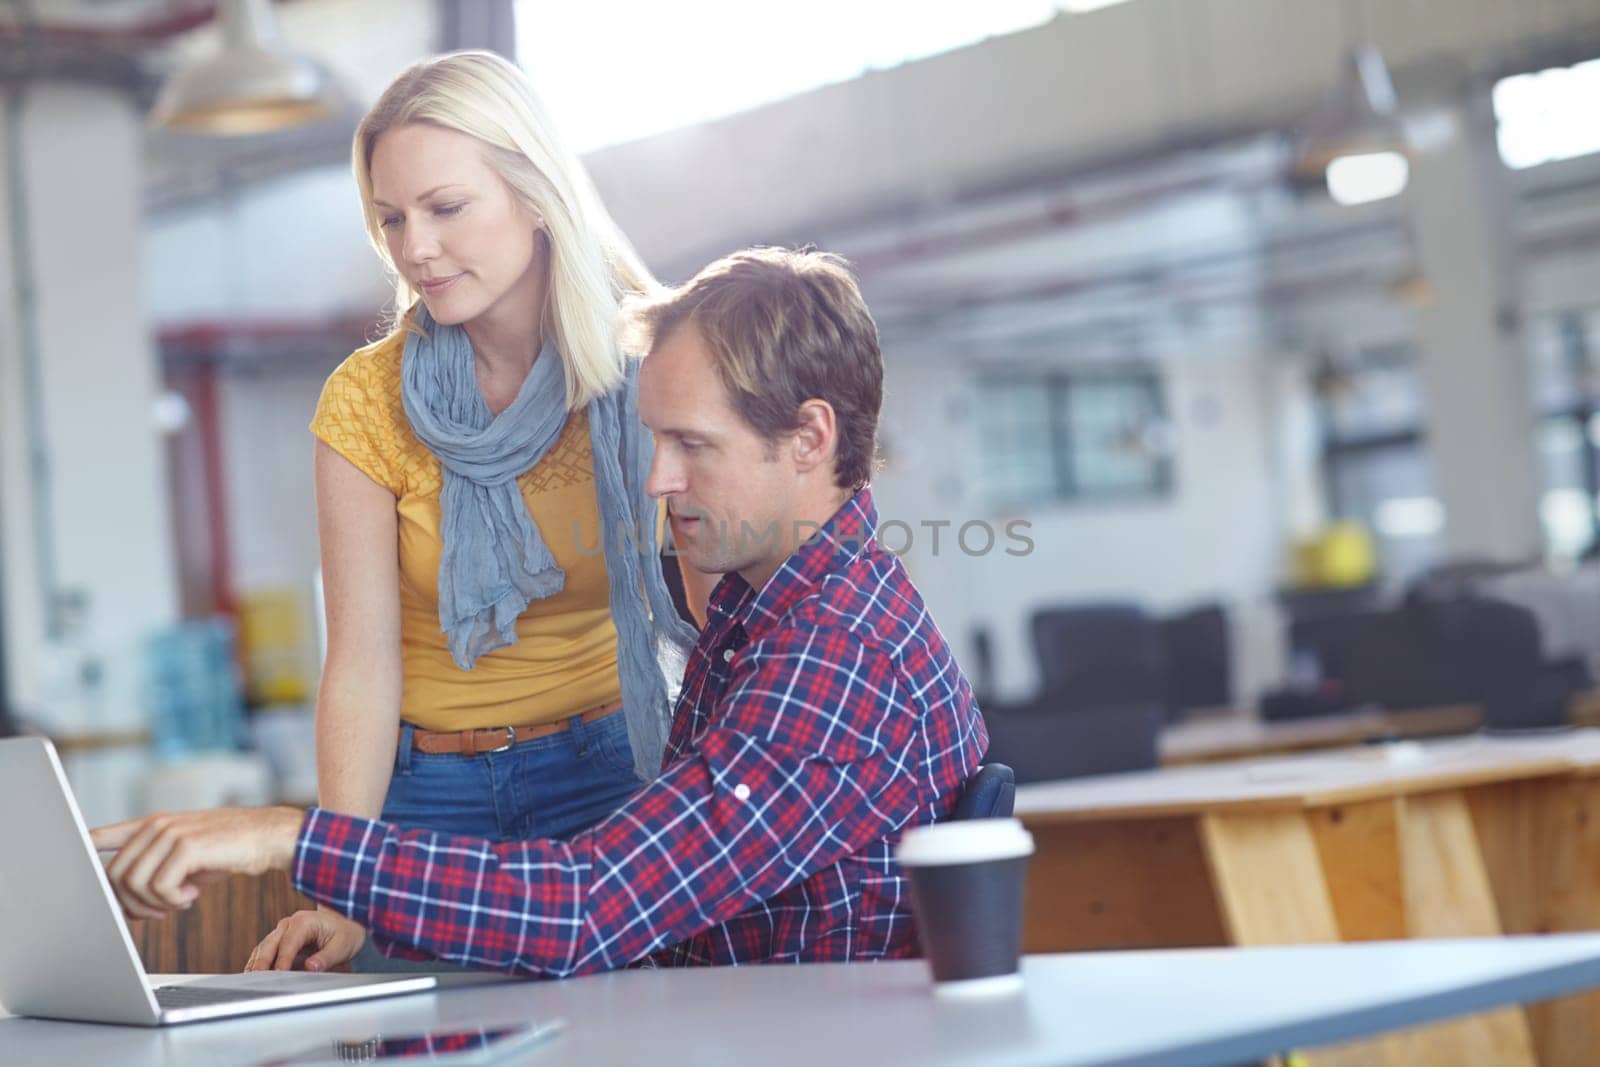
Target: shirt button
[741, 791]
[727, 655]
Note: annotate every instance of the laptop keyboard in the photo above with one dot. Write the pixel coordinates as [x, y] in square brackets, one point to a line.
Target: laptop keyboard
[188, 996]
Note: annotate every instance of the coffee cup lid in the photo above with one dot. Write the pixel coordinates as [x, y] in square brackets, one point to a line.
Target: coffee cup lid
[966, 841]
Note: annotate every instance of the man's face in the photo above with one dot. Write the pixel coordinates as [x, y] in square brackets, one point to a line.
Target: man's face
[730, 493]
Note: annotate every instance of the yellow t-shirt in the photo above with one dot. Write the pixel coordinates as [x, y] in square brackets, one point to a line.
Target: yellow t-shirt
[565, 659]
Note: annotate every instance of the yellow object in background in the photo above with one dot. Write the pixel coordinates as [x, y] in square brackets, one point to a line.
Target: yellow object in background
[272, 647]
[1341, 556]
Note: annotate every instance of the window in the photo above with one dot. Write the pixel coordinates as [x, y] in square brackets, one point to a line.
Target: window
[1564, 351]
[1074, 436]
[1386, 484]
[1378, 472]
[1380, 394]
[1548, 115]
[1377, 467]
[704, 59]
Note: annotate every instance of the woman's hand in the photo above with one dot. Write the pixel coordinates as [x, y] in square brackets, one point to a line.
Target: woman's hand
[330, 937]
[162, 860]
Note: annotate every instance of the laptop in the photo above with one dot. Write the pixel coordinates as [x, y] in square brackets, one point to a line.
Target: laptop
[65, 952]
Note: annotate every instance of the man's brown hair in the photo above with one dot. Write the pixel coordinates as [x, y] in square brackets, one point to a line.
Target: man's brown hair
[784, 327]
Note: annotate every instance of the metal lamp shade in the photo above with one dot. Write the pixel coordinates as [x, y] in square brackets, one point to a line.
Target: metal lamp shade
[255, 84]
[1360, 118]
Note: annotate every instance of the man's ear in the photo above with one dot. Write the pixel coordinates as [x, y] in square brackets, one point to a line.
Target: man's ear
[816, 437]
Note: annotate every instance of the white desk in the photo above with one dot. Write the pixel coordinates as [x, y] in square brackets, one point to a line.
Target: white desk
[1174, 1007]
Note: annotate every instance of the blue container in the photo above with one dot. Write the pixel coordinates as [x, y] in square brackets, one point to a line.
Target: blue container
[193, 688]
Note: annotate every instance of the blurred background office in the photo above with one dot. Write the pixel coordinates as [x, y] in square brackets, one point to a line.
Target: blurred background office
[1243, 356]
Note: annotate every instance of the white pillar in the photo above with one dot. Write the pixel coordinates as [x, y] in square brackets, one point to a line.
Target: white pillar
[107, 521]
[1479, 421]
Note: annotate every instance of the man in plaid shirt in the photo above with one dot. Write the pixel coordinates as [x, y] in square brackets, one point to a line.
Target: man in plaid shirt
[822, 713]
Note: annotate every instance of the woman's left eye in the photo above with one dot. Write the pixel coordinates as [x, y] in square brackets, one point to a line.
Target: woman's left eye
[447, 210]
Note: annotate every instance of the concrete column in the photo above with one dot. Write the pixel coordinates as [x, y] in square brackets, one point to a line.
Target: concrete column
[84, 432]
[1479, 420]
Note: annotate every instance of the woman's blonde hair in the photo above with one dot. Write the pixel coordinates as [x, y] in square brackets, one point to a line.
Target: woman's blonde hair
[592, 265]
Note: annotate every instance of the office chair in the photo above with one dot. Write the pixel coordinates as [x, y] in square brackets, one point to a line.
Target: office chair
[1497, 649]
[989, 794]
[1197, 655]
[1043, 744]
[1098, 655]
[982, 674]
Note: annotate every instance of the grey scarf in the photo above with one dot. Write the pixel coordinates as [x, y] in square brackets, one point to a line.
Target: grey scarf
[494, 561]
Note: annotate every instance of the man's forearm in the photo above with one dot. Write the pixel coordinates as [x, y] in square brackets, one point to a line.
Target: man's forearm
[421, 890]
[736, 824]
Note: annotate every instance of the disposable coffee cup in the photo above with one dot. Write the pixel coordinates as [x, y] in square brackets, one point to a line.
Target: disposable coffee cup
[966, 893]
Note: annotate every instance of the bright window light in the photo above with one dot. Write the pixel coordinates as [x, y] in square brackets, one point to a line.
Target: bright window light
[1567, 515]
[1370, 176]
[1409, 516]
[619, 71]
[1549, 115]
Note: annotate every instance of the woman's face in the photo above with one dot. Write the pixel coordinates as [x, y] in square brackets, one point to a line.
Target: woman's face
[454, 229]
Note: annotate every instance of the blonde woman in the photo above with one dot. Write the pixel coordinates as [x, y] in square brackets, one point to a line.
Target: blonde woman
[495, 601]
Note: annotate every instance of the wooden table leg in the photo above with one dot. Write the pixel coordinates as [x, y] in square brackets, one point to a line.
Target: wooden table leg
[1386, 869]
[1359, 846]
[1411, 867]
[1448, 895]
[1540, 841]
[1271, 889]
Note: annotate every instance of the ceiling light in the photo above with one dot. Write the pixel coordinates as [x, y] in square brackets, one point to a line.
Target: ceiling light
[1358, 121]
[255, 84]
[1370, 176]
[1083, 7]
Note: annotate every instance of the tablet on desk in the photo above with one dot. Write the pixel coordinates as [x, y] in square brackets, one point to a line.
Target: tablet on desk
[456, 1045]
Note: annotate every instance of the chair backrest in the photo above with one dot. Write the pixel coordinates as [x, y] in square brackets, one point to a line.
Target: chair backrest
[1498, 650]
[1196, 646]
[1044, 744]
[1398, 658]
[1097, 655]
[982, 672]
[989, 794]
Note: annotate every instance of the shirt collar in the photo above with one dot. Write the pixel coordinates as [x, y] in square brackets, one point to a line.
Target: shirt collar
[840, 540]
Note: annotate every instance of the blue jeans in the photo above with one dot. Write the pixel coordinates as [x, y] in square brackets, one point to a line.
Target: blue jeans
[555, 786]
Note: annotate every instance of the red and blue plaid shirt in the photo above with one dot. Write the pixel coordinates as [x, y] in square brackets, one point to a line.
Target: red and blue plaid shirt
[819, 720]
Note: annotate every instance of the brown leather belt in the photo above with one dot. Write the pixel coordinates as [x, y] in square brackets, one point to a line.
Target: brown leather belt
[498, 738]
